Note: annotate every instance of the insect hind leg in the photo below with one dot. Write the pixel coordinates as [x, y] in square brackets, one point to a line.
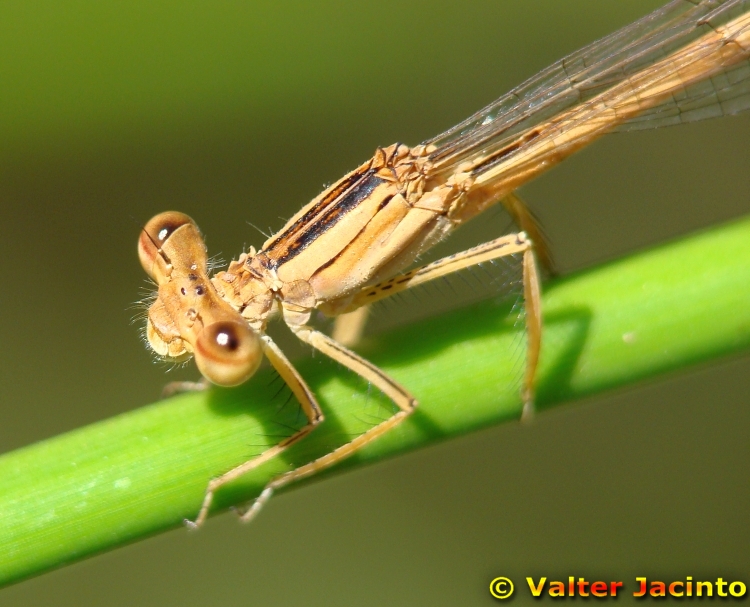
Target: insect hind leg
[500, 247]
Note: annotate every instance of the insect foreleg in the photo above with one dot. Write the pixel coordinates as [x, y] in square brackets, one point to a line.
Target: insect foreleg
[399, 395]
[309, 405]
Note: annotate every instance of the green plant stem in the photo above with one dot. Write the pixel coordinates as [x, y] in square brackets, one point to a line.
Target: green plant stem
[140, 473]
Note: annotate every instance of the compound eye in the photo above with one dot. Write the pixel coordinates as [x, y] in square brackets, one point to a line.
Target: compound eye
[153, 237]
[228, 353]
[161, 227]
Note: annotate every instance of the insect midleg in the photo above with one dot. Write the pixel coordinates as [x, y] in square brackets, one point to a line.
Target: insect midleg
[348, 328]
[399, 395]
[527, 222]
[494, 249]
[309, 405]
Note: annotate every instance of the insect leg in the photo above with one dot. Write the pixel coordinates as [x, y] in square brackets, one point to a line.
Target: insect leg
[405, 402]
[349, 328]
[309, 405]
[532, 303]
[527, 222]
[500, 247]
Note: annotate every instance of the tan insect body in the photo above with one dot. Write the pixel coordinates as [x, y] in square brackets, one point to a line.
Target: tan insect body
[350, 245]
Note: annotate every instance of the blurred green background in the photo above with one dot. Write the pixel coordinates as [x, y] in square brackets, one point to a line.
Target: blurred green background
[240, 112]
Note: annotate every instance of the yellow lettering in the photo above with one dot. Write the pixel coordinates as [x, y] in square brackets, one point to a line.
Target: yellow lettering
[741, 589]
[658, 589]
[699, 586]
[582, 583]
[642, 590]
[536, 590]
[599, 588]
[720, 584]
[556, 589]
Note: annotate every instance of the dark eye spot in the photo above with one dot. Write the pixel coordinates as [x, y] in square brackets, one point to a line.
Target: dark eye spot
[192, 277]
[168, 224]
[227, 339]
[200, 290]
[183, 291]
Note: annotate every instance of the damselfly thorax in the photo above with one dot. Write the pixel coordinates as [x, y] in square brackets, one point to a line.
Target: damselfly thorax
[351, 245]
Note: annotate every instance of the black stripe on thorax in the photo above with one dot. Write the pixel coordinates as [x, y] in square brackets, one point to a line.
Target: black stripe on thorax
[309, 227]
[335, 192]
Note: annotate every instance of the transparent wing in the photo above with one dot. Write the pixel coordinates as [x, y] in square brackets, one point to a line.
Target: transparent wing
[582, 77]
[722, 95]
[616, 83]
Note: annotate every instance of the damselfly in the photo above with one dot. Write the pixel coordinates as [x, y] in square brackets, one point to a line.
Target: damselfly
[349, 247]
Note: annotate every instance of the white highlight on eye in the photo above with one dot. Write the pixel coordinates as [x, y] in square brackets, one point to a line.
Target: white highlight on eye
[222, 339]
